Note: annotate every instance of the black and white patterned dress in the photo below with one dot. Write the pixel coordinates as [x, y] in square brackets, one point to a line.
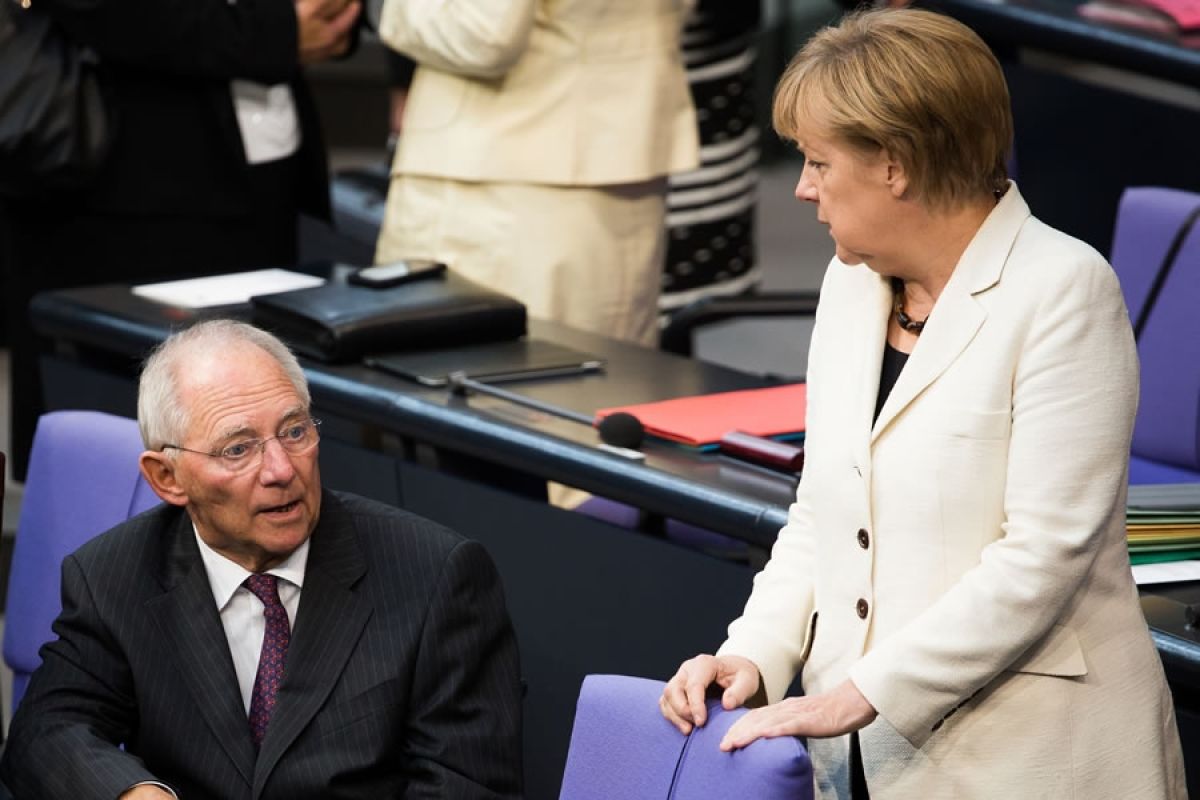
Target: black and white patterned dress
[710, 210]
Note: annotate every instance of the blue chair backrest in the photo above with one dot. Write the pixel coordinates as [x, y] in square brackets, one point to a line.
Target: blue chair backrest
[621, 747]
[83, 479]
[1166, 437]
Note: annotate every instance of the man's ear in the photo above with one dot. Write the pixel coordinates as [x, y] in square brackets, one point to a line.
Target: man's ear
[159, 471]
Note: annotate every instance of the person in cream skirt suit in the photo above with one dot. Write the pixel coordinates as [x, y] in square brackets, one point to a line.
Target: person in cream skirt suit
[536, 141]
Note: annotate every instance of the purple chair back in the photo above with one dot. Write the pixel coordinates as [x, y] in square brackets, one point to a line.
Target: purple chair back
[1166, 436]
[83, 479]
[1148, 217]
[623, 749]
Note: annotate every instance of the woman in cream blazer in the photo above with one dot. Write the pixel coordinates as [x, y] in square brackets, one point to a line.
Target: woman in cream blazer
[536, 142]
[953, 583]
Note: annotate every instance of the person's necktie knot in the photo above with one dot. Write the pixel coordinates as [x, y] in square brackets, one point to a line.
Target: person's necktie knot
[265, 588]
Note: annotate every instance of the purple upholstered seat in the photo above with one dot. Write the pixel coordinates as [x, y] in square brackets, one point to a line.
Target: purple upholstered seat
[83, 479]
[1166, 437]
[623, 749]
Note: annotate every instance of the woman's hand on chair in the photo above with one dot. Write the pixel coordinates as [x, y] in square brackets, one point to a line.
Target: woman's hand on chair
[842, 710]
[682, 701]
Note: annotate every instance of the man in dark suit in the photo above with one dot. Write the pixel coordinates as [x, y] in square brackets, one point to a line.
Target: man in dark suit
[258, 637]
[216, 151]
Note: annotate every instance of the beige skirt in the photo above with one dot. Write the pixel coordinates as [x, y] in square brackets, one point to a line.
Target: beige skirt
[588, 257]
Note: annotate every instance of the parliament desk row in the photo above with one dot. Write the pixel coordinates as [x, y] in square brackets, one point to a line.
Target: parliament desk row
[585, 596]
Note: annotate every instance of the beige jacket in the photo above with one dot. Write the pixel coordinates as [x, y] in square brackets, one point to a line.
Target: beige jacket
[986, 609]
[562, 92]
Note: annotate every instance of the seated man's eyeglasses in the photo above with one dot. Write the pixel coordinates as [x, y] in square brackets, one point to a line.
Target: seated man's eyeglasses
[295, 438]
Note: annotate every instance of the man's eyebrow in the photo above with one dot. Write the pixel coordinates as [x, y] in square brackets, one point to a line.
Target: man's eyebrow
[238, 432]
[244, 431]
[299, 412]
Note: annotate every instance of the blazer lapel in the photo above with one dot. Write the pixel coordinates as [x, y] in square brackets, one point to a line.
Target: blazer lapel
[958, 314]
[188, 620]
[952, 324]
[330, 621]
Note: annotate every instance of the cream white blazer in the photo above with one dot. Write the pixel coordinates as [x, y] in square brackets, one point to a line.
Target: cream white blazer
[561, 92]
[963, 559]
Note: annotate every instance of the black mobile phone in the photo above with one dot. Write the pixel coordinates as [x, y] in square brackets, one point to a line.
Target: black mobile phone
[381, 276]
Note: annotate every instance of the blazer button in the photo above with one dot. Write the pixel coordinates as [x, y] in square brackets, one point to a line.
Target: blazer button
[861, 607]
[864, 539]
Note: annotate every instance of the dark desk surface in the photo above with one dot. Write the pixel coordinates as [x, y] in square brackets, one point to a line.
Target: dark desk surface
[1055, 26]
[714, 491]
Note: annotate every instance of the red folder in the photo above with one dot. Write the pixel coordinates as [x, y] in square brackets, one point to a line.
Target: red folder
[702, 420]
[1186, 13]
[1177, 19]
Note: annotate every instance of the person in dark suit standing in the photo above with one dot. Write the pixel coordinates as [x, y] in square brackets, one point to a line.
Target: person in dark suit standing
[217, 150]
[257, 636]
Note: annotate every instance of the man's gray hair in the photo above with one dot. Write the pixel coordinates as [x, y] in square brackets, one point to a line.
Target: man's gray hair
[162, 418]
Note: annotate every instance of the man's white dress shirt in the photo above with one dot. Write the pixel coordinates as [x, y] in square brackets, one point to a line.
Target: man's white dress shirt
[242, 613]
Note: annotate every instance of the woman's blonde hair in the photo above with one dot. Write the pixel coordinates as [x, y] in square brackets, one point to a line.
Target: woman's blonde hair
[917, 85]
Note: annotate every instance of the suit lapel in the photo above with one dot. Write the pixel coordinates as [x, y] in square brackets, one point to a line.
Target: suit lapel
[958, 314]
[189, 622]
[329, 622]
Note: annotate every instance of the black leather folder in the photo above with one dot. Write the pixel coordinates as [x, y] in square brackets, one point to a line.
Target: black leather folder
[338, 322]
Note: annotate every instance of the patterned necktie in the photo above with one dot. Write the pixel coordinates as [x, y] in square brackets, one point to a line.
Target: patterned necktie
[273, 656]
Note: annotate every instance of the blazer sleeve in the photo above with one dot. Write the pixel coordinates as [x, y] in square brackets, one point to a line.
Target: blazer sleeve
[464, 729]
[251, 39]
[1073, 402]
[63, 742]
[775, 629]
[477, 38]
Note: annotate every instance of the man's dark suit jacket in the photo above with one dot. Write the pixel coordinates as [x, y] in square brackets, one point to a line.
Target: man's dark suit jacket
[401, 677]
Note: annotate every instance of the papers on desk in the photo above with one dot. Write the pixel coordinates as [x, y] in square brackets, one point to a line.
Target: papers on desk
[225, 290]
[1166, 572]
[1156, 498]
[701, 421]
[1163, 528]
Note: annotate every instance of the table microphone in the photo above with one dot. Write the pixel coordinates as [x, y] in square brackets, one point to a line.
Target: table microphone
[622, 429]
[619, 430]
